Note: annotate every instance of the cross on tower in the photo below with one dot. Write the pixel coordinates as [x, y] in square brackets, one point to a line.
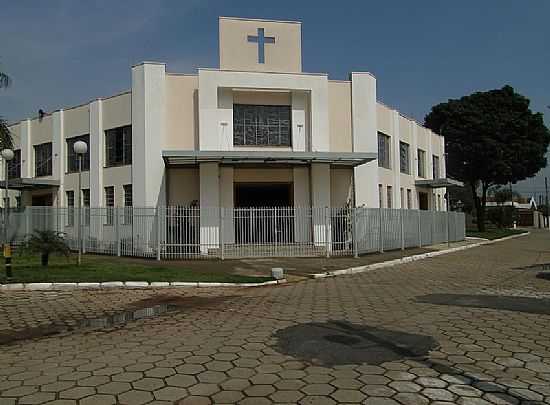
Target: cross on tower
[261, 39]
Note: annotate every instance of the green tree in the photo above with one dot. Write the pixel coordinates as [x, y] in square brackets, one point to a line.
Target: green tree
[492, 138]
[5, 135]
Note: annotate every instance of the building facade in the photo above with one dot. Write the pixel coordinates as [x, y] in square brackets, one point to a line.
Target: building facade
[255, 132]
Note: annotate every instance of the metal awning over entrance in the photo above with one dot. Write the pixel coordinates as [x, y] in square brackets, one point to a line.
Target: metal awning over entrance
[438, 183]
[29, 184]
[186, 157]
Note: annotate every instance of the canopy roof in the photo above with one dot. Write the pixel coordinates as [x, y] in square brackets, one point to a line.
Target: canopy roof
[189, 157]
[438, 183]
[29, 184]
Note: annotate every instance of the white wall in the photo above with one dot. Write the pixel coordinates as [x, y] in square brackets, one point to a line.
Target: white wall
[148, 133]
[216, 104]
[365, 138]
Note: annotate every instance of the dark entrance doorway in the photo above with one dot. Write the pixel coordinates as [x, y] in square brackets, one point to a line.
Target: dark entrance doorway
[264, 213]
[263, 195]
[423, 202]
[44, 200]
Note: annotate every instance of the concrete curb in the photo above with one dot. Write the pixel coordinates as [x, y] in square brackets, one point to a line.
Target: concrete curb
[408, 259]
[128, 285]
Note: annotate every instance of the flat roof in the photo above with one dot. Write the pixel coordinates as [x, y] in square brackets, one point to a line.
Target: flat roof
[192, 157]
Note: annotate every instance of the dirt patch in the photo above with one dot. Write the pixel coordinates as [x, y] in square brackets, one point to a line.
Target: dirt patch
[506, 303]
[339, 343]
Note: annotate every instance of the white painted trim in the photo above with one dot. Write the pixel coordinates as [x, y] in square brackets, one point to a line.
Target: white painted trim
[129, 285]
[408, 259]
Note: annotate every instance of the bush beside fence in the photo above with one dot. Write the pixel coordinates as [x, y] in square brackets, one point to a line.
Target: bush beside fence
[198, 233]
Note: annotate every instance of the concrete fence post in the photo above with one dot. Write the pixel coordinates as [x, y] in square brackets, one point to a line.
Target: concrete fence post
[327, 230]
[354, 232]
[380, 232]
[419, 229]
[222, 220]
[117, 231]
[402, 222]
[158, 213]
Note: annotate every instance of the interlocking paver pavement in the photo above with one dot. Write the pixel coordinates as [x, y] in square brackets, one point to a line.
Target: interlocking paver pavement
[413, 334]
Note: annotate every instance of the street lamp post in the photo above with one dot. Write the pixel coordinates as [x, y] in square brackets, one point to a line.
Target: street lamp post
[80, 148]
[7, 155]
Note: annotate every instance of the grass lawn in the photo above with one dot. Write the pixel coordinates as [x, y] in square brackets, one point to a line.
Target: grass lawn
[27, 269]
[494, 233]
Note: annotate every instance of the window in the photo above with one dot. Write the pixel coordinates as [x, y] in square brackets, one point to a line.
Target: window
[118, 146]
[435, 167]
[439, 202]
[421, 163]
[86, 205]
[128, 214]
[14, 165]
[389, 197]
[18, 202]
[404, 159]
[402, 194]
[261, 125]
[72, 157]
[43, 159]
[380, 196]
[70, 208]
[409, 198]
[109, 203]
[384, 151]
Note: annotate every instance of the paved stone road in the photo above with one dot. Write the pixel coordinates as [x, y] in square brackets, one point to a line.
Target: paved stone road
[443, 330]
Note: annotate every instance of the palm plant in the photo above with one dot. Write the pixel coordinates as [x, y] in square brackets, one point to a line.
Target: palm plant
[4, 80]
[5, 135]
[45, 243]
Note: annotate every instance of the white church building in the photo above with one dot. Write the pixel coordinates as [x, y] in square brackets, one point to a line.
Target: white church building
[256, 131]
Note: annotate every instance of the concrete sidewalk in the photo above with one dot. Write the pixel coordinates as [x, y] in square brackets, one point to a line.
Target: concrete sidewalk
[294, 266]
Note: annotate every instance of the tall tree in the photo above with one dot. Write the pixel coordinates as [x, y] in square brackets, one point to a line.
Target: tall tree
[5, 135]
[492, 138]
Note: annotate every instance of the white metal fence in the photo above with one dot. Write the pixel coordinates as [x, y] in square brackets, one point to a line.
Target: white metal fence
[198, 233]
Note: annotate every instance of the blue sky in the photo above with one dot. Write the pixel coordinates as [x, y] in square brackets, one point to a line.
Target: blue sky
[65, 52]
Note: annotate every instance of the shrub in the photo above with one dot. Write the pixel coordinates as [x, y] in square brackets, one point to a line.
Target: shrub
[46, 243]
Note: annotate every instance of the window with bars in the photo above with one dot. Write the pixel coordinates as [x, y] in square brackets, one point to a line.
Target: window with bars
[14, 165]
[72, 157]
[128, 214]
[404, 158]
[421, 163]
[261, 125]
[43, 159]
[118, 146]
[86, 205]
[389, 197]
[70, 208]
[109, 204]
[384, 151]
[435, 166]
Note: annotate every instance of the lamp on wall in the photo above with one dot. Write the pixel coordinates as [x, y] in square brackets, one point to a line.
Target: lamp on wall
[80, 148]
[7, 155]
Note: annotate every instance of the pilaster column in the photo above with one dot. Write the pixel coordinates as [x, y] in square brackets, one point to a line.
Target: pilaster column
[58, 148]
[209, 205]
[148, 134]
[365, 137]
[97, 139]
